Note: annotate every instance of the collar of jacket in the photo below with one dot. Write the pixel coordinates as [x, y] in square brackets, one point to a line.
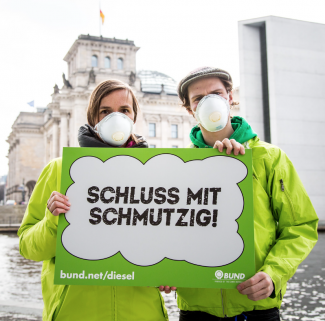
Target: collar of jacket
[87, 137]
[243, 132]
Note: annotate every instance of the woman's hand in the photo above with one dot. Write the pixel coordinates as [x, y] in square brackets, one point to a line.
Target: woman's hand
[230, 145]
[167, 289]
[58, 203]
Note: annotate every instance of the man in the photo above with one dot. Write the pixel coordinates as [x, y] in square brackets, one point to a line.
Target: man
[284, 219]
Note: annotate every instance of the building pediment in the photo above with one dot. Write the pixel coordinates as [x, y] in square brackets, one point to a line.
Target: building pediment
[175, 120]
[155, 118]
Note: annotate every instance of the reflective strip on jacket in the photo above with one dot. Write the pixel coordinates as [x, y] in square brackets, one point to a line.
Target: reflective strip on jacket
[285, 226]
[37, 241]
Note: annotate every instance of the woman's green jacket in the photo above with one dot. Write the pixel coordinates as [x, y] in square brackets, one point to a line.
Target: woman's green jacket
[285, 227]
[37, 241]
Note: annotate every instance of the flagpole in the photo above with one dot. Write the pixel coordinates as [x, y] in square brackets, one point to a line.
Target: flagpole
[100, 26]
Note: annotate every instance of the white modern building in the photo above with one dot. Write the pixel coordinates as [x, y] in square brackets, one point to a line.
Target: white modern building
[282, 82]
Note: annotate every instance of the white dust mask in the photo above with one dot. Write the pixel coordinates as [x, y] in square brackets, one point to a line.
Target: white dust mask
[115, 129]
[212, 112]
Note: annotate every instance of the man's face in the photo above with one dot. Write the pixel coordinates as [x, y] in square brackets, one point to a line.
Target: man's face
[206, 86]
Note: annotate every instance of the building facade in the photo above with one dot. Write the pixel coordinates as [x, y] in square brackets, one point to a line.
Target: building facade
[25, 156]
[38, 137]
[282, 77]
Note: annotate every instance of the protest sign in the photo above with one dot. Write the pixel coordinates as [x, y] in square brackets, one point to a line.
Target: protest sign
[150, 217]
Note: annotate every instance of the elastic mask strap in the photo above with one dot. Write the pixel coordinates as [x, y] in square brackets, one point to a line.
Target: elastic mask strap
[97, 132]
[95, 129]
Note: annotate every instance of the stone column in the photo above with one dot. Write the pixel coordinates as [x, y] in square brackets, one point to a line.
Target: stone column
[18, 179]
[114, 59]
[165, 132]
[186, 131]
[63, 132]
[78, 118]
[101, 58]
[14, 165]
[11, 165]
[49, 148]
[126, 58]
[55, 137]
[142, 125]
[45, 148]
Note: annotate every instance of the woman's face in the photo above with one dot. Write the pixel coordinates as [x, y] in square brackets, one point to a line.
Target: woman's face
[117, 101]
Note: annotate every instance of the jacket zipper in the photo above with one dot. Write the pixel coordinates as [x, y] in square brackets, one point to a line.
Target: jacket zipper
[223, 307]
[288, 198]
[114, 302]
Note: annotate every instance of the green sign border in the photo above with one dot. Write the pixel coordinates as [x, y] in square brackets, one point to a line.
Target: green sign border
[166, 272]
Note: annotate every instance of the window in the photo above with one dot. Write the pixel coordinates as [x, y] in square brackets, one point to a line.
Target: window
[94, 61]
[152, 146]
[174, 131]
[152, 130]
[119, 63]
[107, 62]
[174, 146]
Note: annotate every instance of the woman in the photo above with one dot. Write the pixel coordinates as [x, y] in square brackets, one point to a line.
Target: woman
[111, 113]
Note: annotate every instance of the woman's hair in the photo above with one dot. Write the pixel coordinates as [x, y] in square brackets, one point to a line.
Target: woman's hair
[228, 85]
[101, 91]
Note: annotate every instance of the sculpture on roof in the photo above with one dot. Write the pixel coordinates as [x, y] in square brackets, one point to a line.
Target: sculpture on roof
[163, 92]
[92, 77]
[132, 78]
[66, 82]
[56, 89]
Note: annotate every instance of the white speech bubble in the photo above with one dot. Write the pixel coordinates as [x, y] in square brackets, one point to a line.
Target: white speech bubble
[146, 245]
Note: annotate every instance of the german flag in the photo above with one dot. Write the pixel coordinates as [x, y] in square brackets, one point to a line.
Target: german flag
[102, 16]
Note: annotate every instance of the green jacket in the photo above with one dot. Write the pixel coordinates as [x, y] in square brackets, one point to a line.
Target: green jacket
[285, 227]
[37, 241]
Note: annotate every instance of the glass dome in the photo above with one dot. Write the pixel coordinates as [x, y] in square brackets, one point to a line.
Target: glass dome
[153, 82]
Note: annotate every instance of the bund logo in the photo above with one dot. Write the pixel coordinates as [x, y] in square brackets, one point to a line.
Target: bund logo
[229, 276]
[219, 274]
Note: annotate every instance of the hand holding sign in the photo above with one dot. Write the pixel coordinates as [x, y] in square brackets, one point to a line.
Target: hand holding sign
[259, 287]
[58, 203]
[230, 145]
[167, 289]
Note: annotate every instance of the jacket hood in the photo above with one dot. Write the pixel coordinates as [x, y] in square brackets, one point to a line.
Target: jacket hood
[87, 137]
[243, 132]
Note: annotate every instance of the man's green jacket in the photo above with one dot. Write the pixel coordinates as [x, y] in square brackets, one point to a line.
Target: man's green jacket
[37, 241]
[285, 227]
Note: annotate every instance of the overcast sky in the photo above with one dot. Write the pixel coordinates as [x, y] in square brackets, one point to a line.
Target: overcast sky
[175, 37]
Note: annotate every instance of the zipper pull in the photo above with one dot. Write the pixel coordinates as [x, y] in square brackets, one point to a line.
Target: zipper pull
[282, 186]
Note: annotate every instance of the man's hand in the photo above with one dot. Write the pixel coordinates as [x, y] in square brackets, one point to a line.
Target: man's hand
[230, 145]
[258, 287]
[58, 203]
[167, 289]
